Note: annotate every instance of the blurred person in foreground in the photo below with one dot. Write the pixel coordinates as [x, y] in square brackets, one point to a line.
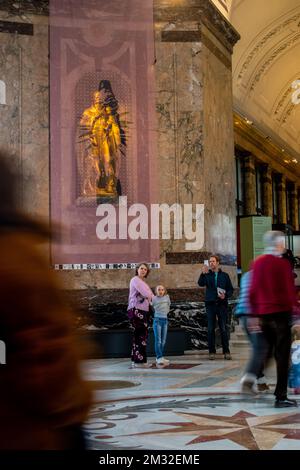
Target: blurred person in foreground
[272, 296]
[44, 400]
[255, 335]
[294, 372]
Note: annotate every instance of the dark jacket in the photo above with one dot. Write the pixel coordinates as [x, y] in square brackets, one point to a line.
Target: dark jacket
[208, 281]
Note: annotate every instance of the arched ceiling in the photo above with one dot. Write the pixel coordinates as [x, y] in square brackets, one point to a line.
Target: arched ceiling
[266, 61]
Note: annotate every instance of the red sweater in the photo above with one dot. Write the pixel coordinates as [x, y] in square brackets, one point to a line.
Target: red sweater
[272, 288]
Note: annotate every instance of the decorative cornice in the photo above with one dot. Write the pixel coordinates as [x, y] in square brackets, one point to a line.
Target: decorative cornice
[224, 4]
[275, 53]
[284, 100]
[201, 12]
[21, 7]
[16, 28]
[264, 40]
[287, 112]
[269, 148]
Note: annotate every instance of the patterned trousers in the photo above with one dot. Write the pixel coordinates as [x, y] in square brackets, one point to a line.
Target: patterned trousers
[139, 321]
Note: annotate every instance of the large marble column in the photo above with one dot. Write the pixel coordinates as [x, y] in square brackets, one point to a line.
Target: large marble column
[294, 207]
[267, 191]
[194, 101]
[281, 199]
[250, 185]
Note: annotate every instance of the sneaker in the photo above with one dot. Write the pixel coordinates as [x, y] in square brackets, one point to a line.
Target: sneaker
[227, 356]
[263, 387]
[165, 361]
[142, 365]
[160, 363]
[248, 388]
[211, 356]
[248, 384]
[285, 403]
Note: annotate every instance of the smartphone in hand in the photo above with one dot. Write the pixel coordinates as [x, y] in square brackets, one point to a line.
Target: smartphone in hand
[221, 292]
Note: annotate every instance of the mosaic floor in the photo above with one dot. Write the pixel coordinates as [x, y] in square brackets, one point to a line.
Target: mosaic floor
[194, 404]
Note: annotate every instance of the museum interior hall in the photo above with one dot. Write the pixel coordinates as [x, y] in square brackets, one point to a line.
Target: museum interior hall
[159, 134]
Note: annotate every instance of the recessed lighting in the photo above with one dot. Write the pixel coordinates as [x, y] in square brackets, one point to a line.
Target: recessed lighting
[295, 160]
[286, 161]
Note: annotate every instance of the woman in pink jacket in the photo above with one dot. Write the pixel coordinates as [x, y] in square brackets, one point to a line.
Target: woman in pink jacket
[140, 296]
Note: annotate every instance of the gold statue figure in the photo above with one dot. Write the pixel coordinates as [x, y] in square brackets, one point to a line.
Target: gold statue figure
[103, 133]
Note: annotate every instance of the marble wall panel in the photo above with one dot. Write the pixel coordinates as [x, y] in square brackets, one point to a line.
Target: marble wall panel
[187, 315]
[25, 119]
[220, 228]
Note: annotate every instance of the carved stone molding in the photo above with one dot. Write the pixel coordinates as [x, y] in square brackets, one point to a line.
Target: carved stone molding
[283, 103]
[264, 40]
[13, 27]
[273, 56]
[201, 12]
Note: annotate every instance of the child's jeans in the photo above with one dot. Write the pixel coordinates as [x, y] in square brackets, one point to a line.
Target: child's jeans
[160, 329]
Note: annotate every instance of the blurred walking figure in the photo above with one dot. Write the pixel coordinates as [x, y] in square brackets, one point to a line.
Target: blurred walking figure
[288, 254]
[255, 335]
[294, 374]
[43, 399]
[272, 296]
[218, 290]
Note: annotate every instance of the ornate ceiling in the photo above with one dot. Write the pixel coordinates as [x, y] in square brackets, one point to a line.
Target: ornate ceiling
[266, 61]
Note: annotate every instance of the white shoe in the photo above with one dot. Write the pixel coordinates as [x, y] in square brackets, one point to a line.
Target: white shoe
[166, 361]
[160, 361]
[248, 384]
[142, 365]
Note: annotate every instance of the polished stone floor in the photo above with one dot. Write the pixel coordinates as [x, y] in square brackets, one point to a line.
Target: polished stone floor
[194, 404]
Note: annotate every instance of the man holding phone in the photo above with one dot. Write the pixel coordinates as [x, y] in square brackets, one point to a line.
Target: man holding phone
[218, 290]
